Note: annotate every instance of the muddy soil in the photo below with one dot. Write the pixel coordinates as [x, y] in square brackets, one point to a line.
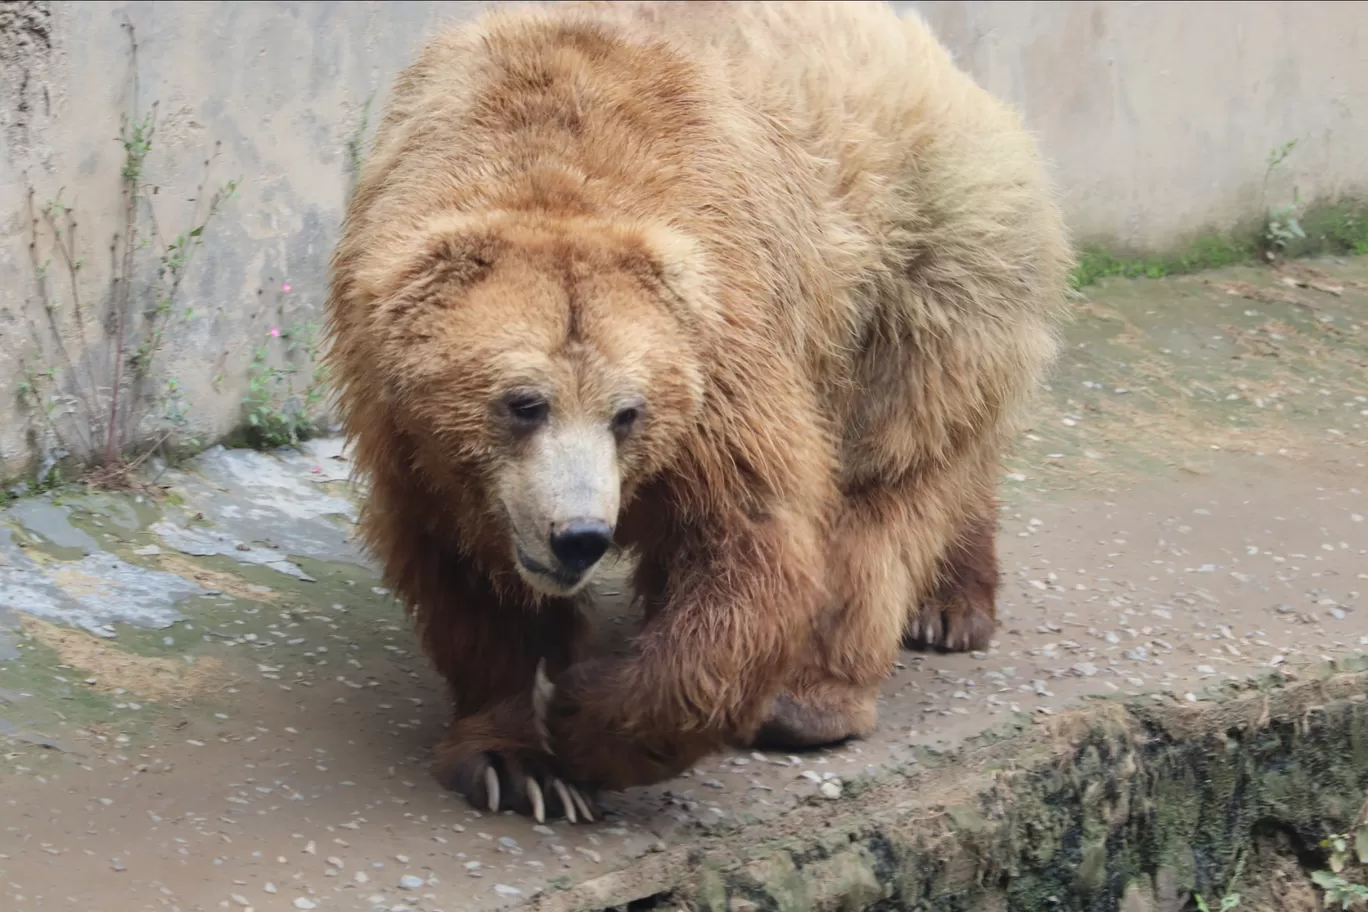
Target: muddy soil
[208, 700]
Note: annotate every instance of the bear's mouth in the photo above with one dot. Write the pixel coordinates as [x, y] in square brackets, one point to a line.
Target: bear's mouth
[563, 580]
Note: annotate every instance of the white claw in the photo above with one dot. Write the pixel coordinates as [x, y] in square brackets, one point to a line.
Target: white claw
[542, 693]
[582, 805]
[566, 801]
[538, 802]
[492, 789]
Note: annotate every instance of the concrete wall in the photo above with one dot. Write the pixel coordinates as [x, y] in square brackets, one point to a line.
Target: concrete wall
[1158, 117]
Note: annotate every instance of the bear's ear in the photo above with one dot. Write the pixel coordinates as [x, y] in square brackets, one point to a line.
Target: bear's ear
[679, 263]
[441, 254]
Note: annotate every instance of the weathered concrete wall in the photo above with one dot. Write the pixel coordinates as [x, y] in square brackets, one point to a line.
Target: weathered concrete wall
[281, 86]
[1159, 119]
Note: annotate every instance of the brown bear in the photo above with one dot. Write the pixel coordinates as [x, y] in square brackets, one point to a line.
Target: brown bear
[749, 291]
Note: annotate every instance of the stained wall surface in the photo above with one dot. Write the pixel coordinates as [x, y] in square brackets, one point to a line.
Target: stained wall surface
[1158, 119]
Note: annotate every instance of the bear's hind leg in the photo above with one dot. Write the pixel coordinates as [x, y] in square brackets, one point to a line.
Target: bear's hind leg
[817, 714]
[878, 564]
[961, 613]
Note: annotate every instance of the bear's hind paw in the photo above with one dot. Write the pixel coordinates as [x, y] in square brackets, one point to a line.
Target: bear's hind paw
[965, 630]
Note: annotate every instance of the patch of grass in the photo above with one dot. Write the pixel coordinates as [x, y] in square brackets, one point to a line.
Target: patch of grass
[1206, 252]
[1337, 228]
[1289, 230]
[1329, 229]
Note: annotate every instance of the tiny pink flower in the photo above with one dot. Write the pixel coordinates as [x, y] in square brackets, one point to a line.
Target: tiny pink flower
[285, 287]
[275, 331]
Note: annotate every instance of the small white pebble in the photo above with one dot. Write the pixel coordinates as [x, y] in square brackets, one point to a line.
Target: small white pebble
[506, 890]
[302, 903]
[410, 882]
[831, 789]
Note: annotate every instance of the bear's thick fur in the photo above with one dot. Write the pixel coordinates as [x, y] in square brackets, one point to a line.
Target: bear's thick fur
[754, 290]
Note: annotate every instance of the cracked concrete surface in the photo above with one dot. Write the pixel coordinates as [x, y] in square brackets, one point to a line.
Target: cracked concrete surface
[208, 700]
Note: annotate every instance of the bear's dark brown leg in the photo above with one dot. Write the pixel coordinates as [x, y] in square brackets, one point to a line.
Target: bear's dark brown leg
[487, 645]
[489, 650]
[961, 613]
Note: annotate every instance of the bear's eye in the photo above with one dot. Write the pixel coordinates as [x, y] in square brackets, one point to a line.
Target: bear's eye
[626, 419]
[527, 410]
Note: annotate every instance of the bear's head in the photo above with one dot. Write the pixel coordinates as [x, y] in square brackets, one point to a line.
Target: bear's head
[549, 367]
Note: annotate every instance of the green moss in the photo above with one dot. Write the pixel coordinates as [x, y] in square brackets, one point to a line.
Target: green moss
[1147, 801]
[1206, 252]
[1338, 229]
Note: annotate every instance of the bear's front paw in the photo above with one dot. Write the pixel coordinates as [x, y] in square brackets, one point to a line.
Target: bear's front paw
[507, 781]
[593, 745]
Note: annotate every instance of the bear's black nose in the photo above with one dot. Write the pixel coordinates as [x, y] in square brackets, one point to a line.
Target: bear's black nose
[580, 543]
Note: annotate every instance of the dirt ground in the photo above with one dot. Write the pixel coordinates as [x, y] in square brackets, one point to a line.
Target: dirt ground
[207, 701]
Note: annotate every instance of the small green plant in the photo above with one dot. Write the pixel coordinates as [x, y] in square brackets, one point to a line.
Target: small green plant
[176, 414]
[1345, 852]
[88, 384]
[1282, 226]
[1229, 900]
[278, 412]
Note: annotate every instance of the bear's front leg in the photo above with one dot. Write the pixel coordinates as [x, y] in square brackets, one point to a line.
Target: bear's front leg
[496, 772]
[492, 753]
[486, 642]
[730, 627]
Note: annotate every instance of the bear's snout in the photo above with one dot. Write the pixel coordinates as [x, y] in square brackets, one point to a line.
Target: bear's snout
[580, 543]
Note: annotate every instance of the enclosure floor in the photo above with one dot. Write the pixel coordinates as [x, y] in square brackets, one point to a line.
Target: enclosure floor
[207, 701]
